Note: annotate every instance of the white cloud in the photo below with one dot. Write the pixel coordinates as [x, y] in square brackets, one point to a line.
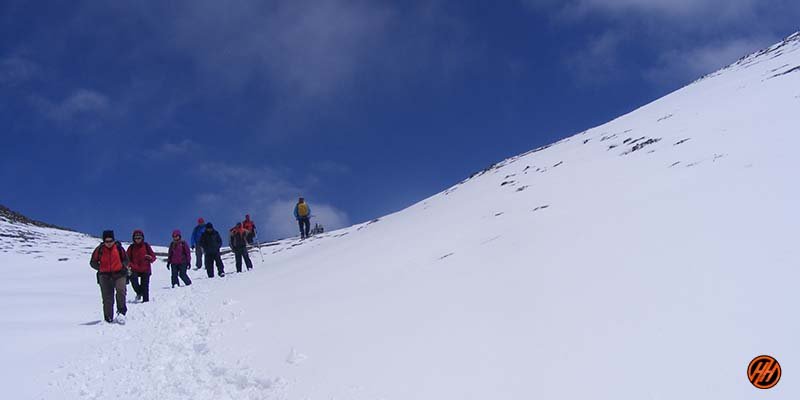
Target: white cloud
[280, 218]
[81, 103]
[264, 193]
[175, 149]
[301, 56]
[678, 33]
[305, 48]
[690, 64]
[598, 61]
[721, 10]
[209, 199]
[15, 70]
[331, 167]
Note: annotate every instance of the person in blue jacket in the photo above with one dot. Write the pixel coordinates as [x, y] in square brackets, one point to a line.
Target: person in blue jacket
[302, 213]
[198, 250]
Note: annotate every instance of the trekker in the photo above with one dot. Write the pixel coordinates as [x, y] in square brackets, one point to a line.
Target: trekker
[211, 243]
[141, 255]
[302, 213]
[250, 228]
[238, 243]
[178, 259]
[111, 263]
[198, 250]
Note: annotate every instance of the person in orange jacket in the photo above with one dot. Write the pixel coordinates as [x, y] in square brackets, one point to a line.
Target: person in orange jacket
[110, 261]
[238, 243]
[250, 229]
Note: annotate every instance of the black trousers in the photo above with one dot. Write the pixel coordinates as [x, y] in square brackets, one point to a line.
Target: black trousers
[180, 271]
[305, 226]
[140, 282]
[211, 258]
[242, 253]
[113, 287]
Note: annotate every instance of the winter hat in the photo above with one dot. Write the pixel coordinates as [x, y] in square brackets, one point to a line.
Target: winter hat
[209, 226]
[137, 232]
[177, 232]
[201, 221]
[109, 234]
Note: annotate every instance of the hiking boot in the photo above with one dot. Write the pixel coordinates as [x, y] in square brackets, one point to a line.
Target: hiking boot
[221, 274]
[120, 319]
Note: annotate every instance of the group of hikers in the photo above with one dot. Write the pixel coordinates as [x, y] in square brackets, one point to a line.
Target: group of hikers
[117, 266]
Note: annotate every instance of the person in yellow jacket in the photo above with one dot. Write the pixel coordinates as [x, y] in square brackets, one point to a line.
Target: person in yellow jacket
[302, 213]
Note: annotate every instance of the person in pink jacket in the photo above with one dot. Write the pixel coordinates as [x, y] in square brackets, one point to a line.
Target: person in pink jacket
[178, 259]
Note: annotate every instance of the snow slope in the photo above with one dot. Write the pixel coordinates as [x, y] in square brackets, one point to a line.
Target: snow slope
[651, 257]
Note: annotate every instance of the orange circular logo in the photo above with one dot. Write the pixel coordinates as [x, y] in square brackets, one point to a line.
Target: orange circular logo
[764, 372]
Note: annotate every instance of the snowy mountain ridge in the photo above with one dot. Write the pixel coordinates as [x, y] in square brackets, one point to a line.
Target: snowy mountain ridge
[601, 266]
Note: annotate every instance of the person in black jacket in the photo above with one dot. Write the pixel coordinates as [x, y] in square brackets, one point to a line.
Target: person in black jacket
[238, 243]
[211, 242]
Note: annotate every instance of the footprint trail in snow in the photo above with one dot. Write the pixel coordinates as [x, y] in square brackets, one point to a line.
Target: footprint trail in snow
[173, 357]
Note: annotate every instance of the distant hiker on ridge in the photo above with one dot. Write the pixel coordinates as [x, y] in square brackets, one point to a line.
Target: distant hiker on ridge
[179, 258]
[250, 228]
[141, 255]
[211, 243]
[302, 213]
[111, 262]
[198, 250]
[238, 243]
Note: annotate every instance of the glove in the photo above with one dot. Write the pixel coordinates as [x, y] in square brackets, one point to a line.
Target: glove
[192, 247]
[148, 258]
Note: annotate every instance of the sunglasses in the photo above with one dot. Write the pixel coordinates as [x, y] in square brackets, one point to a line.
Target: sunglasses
[109, 240]
[137, 238]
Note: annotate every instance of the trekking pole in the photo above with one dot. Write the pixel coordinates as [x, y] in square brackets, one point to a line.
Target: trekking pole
[259, 247]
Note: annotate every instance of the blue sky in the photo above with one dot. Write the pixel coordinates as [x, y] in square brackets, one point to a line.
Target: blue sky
[147, 115]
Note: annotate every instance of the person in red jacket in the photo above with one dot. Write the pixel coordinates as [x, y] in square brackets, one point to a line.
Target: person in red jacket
[141, 255]
[111, 262]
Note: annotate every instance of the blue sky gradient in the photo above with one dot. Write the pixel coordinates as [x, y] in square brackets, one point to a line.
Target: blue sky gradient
[150, 114]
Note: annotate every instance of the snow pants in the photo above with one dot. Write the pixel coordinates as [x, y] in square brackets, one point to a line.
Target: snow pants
[113, 286]
[305, 226]
[242, 253]
[140, 282]
[180, 271]
[211, 258]
[198, 257]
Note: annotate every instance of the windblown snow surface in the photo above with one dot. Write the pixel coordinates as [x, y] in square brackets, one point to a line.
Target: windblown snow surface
[648, 258]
